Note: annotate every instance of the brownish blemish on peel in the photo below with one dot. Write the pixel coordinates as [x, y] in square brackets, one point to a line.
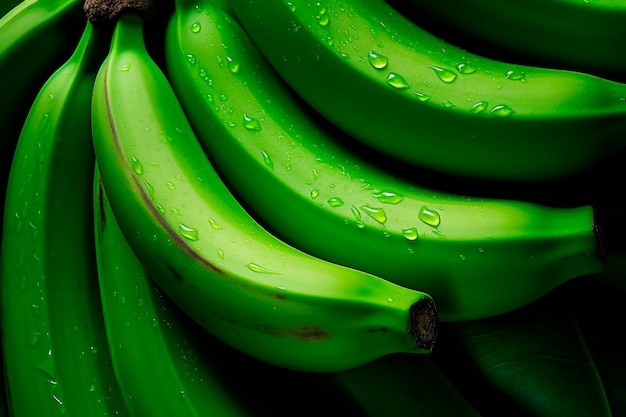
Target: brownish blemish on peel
[102, 11]
[305, 334]
[177, 239]
[423, 323]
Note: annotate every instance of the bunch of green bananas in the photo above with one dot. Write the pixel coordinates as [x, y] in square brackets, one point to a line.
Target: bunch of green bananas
[210, 195]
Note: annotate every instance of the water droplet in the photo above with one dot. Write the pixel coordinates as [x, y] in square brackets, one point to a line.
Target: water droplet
[188, 232]
[233, 65]
[315, 194]
[410, 233]
[124, 68]
[515, 75]
[464, 68]
[323, 19]
[479, 107]
[428, 216]
[388, 197]
[502, 110]
[267, 159]
[260, 269]
[291, 6]
[375, 213]
[251, 123]
[448, 104]
[445, 75]
[220, 253]
[44, 125]
[210, 98]
[397, 81]
[377, 60]
[136, 165]
[214, 224]
[191, 58]
[170, 185]
[50, 97]
[195, 27]
[223, 97]
[335, 202]
[422, 97]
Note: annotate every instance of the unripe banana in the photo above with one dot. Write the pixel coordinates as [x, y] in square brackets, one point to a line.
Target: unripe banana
[477, 257]
[584, 36]
[412, 96]
[56, 358]
[250, 289]
[157, 351]
[36, 38]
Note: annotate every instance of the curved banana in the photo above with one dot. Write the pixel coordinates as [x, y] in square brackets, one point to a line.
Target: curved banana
[476, 257]
[157, 351]
[36, 38]
[584, 36]
[56, 359]
[407, 94]
[237, 280]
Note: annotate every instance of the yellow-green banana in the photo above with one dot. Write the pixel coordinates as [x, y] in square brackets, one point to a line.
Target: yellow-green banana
[56, 359]
[207, 253]
[477, 257]
[581, 35]
[36, 38]
[412, 96]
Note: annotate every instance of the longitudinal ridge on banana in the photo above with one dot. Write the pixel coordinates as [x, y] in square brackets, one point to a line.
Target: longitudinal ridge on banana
[250, 289]
[55, 353]
[414, 97]
[477, 257]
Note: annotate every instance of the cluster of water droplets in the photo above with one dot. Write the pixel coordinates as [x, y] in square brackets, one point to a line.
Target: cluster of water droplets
[380, 62]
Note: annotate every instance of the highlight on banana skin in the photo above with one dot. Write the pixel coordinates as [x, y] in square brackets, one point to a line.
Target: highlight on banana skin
[308, 187]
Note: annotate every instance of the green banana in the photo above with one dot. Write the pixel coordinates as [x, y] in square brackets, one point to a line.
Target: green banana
[476, 257]
[157, 351]
[36, 37]
[56, 359]
[245, 286]
[584, 36]
[410, 95]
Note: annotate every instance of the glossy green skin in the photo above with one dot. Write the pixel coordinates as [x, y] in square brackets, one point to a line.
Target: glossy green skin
[157, 351]
[459, 113]
[56, 358]
[585, 36]
[244, 285]
[480, 258]
[36, 38]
